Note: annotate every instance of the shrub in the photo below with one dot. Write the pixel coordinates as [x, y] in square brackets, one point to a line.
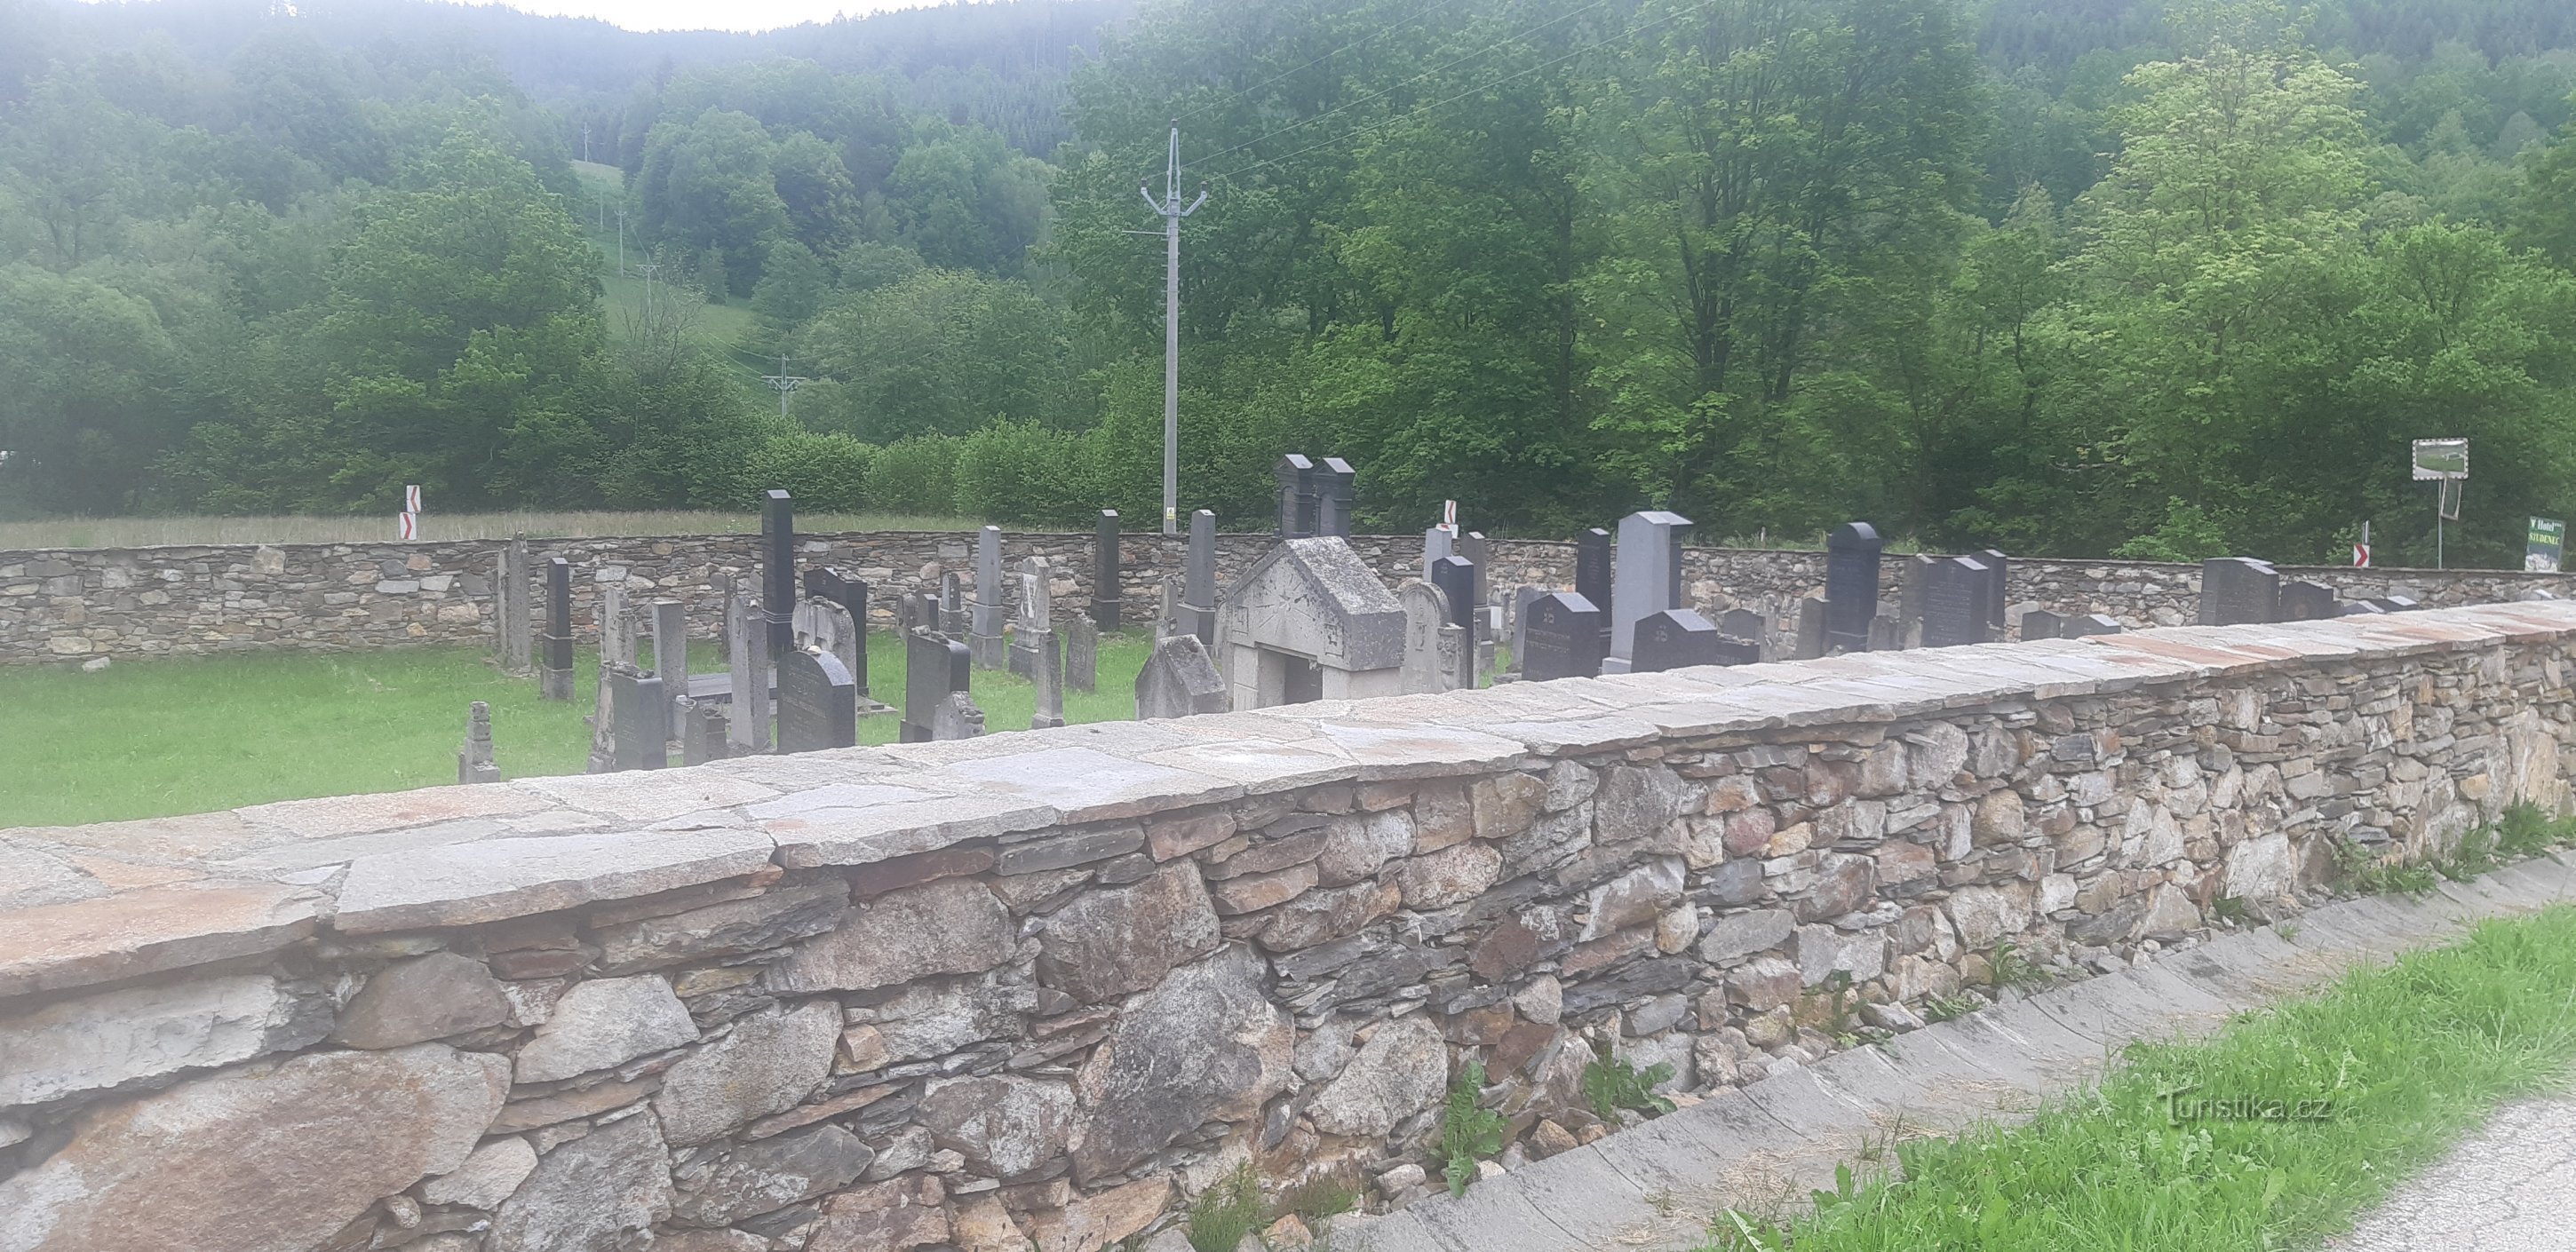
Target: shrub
[822, 472]
[1020, 472]
[915, 475]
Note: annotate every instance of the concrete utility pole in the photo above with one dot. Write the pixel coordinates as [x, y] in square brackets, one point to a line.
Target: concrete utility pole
[1172, 213]
[648, 269]
[782, 382]
[621, 241]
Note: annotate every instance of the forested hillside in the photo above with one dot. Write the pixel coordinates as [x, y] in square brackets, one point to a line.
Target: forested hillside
[2060, 276]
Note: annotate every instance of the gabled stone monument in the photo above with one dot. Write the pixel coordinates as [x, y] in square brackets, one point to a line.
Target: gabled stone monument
[1309, 621]
[1178, 681]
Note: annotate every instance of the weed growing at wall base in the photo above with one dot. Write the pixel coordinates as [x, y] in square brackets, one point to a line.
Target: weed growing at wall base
[2271, 1134]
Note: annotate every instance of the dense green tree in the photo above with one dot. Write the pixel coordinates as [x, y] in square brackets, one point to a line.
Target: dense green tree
[940, 352]
[708, 186]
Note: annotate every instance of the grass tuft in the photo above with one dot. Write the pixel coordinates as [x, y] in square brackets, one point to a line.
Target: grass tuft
[1228, 1210]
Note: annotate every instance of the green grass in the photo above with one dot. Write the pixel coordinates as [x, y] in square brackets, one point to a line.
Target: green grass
[144, 532]
[2389, 1067]
[719, 325]
[157, 738]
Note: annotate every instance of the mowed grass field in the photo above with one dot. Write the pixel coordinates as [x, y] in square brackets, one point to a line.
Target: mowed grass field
[189, 735]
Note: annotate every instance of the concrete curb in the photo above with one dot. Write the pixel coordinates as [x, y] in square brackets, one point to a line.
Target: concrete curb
[1657, 1186]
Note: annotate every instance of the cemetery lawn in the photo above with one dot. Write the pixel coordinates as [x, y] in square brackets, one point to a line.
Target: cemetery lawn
[155, 738]
[2377, 1075]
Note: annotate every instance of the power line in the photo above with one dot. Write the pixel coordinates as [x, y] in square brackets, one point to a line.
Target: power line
[1380, 95]
[1420, 109]
[1352, 46]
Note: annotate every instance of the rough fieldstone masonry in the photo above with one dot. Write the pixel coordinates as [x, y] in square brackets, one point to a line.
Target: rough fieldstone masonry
[1038, 988]
[71, 605]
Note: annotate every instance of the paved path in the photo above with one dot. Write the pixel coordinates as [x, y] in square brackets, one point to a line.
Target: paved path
[1759, 1146]
[2509, 1188]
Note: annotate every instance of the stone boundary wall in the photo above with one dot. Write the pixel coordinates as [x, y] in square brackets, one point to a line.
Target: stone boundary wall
[1040, 987]
[74, 604]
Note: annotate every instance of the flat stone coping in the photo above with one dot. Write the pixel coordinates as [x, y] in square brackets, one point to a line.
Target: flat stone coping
[91, 904]
[1763, 1147]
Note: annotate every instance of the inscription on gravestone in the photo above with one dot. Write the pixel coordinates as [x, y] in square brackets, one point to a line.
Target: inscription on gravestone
[817, 703]
[1954, 602]
[1560, 638]
[1851, 585]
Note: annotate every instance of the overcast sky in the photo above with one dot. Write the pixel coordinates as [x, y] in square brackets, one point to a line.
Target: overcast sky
[711, 14]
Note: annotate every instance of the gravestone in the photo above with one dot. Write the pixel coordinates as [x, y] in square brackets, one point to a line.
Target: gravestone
[2397, 604]
[1198, 580]
[2304, 601]
[1811, 629]
[1461, 648]
[702, 731]
[1889, 633]
[1105, 573]
[1851, 585]
[510, 588]
[1049, 677]
[2088, 624]
[640, 721]
[1523, 597]
[1560, 638]
[909, 613]
[1954, 602]
[2237, 590]
[1913, 580]
[1082, 654]
[1036, 610]
[2041, 624]
[2358, 608]
[1672, 639]
[830, 585]
[1592, 576]
[953, 613]
[1647, 579]
[1746, 625]
[1178, 680]
[554, 678]
[1438, 543]
[474, 763]
[1455, 576]
[1334, 479]
[1167, 619]
[824, 624]
[984, 633]
[1296, 478]
[818, 702]
[1427, 618]
[747, 657]
[936, 673]
[1309, 620]
[778, 570]
[671, 652]
[616, 656]
[1477, 552]
[1998, 593]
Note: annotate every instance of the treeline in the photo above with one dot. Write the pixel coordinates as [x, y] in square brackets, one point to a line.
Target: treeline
[2092, 278]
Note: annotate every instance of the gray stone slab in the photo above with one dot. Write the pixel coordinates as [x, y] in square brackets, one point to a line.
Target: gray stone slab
[465, 884]
[861, 824]
[1934, 1092]
[2169, 992]
[1403, 1231]
[1585, 1197]
[1462, 1223]
[2009, 1078]
[2031, 1033]
[2113, 1008]
[1089, 785]
[1809, 1108]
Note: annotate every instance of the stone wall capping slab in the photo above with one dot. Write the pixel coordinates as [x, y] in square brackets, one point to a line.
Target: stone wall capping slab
[326, 816]
[1385, 753]
[1578, 735]
[647, 795]
[1260, 767]
[1084, 784]
[495, 879]
[884, 828]
[151, 930]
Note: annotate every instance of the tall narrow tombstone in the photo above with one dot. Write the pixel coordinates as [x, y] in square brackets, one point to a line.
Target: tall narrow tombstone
[908, 614]
[671, 653]
[1560, 638]
[1081, 653]
[1049, 677]
[1851, 585]
[640, 713]
[1592, 576]
[2304, 601]
[1523, 597]
[1477, 551]
[1167, 619]
[953, 614]
[1672, 639]
[554, 678]
[1998, 589]
[2041, 624]
[510, 600]
[778, 570]
[747, 655]
[1954, 602]
[1178, 680]
[1460, 647]
[1033, 636]
[1437, 543]
[826, 583]
[1811, 629]
[474, 763]
[616, 657]
[2088, 624]
[984, 633]
[1198, 588]
[1647, 579]
[1914, 580]
[1455, 576]
[2237, 590]
[1104, 573]
[702, 731]
[817, 702]
[1426, 616]
[1334, 479]
[1296, 477]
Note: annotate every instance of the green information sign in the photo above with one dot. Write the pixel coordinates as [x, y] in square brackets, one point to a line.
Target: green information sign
[2548, 539]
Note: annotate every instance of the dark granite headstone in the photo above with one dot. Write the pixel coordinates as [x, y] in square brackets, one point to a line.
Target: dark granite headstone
[555, 682]
[2397, 604]
[1478, 551]
[934, 667]
[1455, 576]
[1954, 602]
[1672, 639]
[778, 570]
[822, 582]
[1560, 638]
[1737, 651]
[2304, 601]
[1744, 624]
[2358, 608]
[1997, 594]
[1104, 572]
[1333, 481]
[1851, 585]
[2041, 624]
[1296, 476]
[2236, 590]
[1592, 575]
[642, 721]
[2089, 624]
[818, 704]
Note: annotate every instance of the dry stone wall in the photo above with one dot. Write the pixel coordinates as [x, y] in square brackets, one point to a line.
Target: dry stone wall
[73, 605]
[1041, 987]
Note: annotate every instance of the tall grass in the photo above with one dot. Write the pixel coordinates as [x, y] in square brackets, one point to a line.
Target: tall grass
[145, 532]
